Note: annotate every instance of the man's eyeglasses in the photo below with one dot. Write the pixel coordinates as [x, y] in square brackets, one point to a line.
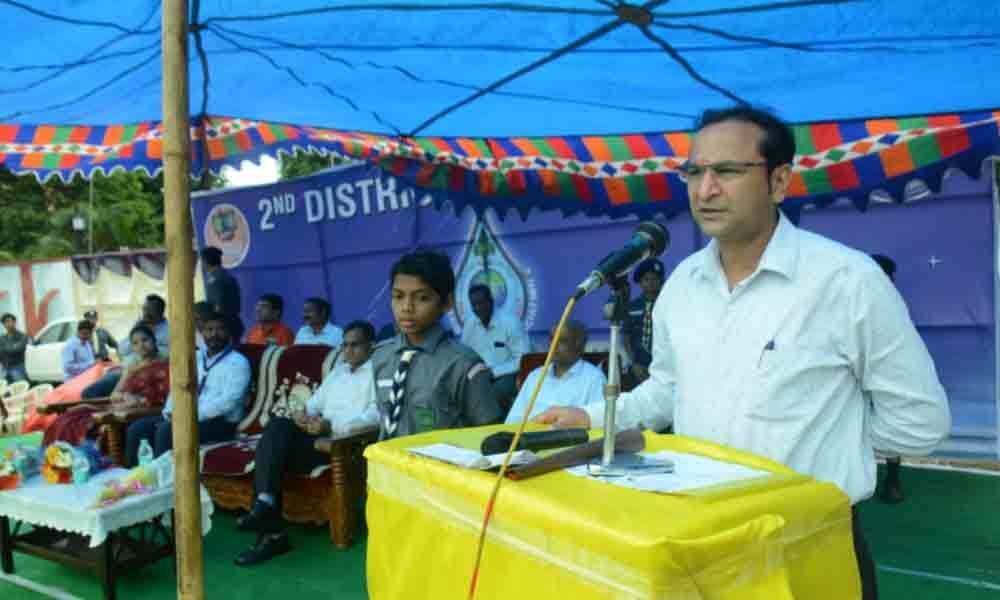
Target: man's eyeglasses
[726, 170]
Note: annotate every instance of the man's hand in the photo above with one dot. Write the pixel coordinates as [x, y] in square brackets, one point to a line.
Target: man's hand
[301, 419]
[316, 426]
[561, 417]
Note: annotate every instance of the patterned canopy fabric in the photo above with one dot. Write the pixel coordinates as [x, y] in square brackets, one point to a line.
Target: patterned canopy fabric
[564, 104]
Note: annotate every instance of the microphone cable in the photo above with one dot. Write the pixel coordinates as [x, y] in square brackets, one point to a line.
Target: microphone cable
[488, 514]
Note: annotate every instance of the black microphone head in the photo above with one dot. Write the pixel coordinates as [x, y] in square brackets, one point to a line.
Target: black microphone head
[659, 237]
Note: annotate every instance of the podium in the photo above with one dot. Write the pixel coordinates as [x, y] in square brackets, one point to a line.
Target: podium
[779, 537]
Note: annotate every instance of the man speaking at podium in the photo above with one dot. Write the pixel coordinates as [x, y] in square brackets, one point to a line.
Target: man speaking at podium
[773, 339]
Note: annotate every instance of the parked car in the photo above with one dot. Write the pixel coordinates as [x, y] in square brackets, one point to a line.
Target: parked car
[43, 357]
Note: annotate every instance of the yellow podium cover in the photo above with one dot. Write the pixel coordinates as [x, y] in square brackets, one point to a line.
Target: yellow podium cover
[783, 536]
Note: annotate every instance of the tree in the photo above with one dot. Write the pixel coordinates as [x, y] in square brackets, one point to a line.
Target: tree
[37, 218]
[304, 163]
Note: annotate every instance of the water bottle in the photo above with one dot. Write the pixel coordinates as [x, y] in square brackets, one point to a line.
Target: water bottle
[145, 453]
[81, 469]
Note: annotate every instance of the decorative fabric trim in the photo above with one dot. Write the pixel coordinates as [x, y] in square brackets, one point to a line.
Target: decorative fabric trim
[615, 174]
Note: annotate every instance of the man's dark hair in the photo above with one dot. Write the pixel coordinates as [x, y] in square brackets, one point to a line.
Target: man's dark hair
[579, 331]
[214, 315]
[888, 265]
[321, 304]
[432, 267]
[481, 288]
[84, 324]
[203, 309]
[364, 326]
[146, 330]
[161, 304]
[276, 302]
[6, 316]
[777, 145]
[212, 256]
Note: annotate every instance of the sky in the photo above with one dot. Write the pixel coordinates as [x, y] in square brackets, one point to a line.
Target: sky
[250, 174]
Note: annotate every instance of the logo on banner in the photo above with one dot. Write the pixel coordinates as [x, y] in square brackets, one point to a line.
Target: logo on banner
[227, 229]
[488, 262]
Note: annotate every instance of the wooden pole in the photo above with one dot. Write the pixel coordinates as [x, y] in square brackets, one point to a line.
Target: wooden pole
[180, 282]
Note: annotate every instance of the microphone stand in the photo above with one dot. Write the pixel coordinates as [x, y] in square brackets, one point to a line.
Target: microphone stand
[618, 313]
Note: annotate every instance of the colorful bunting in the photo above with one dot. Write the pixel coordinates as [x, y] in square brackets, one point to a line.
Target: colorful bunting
[635, 172]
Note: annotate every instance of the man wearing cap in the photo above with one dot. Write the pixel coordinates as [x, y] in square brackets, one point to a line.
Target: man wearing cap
[222, 290]
[102, 339]
[639, 324]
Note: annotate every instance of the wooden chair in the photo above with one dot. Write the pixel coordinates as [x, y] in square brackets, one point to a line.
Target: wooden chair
[332, 493]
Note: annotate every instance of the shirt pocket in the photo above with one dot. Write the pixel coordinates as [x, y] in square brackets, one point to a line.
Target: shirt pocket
[787, 380]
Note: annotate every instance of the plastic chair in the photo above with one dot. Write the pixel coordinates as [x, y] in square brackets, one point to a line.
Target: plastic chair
[16, 408]
[18, 387]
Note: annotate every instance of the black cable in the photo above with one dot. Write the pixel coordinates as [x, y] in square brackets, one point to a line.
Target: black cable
[414, 77]
[54, 17]
[750, 9]
[120, 75]
[70, 66]
[298, 79]
[674, 54]
[405, 7]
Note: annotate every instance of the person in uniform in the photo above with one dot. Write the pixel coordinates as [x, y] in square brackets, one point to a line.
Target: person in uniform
[639, 324]
[222, 291]
[891, 490]
[424, 378]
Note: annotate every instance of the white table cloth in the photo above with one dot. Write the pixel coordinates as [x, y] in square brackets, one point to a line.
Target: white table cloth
[70, 507]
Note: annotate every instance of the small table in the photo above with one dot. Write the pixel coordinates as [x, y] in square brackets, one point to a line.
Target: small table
[68, 529]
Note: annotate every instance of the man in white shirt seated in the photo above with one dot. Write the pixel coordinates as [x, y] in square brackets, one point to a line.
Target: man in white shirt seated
[343, 403]
[572, 382]
[499, 341]
[318, 329]
[223, 381]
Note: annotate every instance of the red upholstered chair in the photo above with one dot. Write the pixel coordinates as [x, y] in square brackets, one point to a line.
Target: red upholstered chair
[284, 379]
[532, 360]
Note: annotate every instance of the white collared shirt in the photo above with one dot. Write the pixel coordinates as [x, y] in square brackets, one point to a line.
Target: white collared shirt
[346, 399]
[331, 335]
[811, 361]
[500, 345]
[581, 385]
[223, 380]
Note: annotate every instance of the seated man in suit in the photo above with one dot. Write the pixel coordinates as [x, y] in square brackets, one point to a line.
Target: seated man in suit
[223, 381]
[573, 381]
[344, 402]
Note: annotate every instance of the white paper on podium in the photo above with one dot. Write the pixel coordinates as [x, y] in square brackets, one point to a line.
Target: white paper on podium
[691, 472]
[470, 459]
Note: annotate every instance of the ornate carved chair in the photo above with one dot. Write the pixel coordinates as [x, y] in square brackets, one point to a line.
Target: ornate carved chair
[285, 378]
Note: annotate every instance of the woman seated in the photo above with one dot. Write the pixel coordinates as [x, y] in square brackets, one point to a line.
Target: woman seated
[144, 384]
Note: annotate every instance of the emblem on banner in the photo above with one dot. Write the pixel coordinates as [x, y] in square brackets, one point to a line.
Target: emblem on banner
[487, 261]
[227, 229]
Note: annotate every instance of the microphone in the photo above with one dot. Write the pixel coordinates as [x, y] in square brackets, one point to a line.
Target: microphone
[650, 239]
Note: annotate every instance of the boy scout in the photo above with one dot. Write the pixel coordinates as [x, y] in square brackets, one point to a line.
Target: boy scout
[424, 378]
